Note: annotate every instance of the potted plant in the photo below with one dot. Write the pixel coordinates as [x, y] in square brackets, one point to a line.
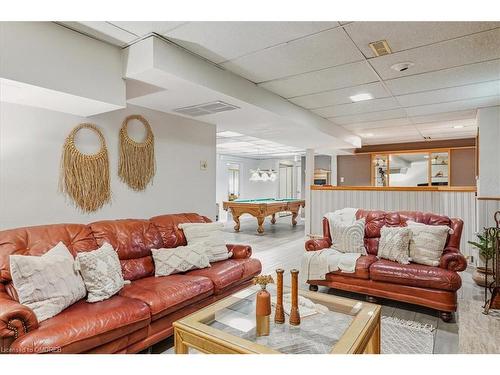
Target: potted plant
[486, 251]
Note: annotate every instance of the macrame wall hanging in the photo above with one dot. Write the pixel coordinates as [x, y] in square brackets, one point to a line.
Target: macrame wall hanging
[137, 164]
[85, 178]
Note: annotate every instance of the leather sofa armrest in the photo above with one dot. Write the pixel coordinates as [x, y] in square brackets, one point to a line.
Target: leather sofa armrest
[15, 321]
[318, 244]
[453, 260]
[240, 251]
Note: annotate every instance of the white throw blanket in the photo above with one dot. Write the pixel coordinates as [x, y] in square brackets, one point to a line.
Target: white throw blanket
[316, 264]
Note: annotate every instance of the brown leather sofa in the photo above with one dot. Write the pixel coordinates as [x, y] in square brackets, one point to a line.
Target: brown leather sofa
[434, 287]
[143, 311]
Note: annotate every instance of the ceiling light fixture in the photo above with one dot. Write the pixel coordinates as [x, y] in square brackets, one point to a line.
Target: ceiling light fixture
[458, 127]
[262, 175]
[361, 97]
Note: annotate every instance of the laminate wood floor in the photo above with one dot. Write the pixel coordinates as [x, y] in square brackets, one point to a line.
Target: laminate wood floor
[282, 246]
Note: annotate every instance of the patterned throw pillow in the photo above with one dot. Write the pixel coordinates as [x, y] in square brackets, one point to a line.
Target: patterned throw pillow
[427, 242]
[101, 272]
[348, 238]
[394, 242]
[208, 235]
[179, 259]
[47, 284]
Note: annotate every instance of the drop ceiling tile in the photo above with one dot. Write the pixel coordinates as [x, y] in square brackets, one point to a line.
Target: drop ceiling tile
[374, 105]
[467, 50]
[458, 76]
[406, 35]
[451, 135]
[103, 30]
[314, 52]
[323, 80]
[222, 41]
[451, 94]
[373, 116]
[453, 106]
[341, 96]
[141, 28]
[447, 116]
[366, 126]
[469, 126]
[393, 134]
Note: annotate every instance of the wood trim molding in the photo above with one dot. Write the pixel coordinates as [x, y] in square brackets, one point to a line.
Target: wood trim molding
[486, 198]
[466, 189]
[418, 146]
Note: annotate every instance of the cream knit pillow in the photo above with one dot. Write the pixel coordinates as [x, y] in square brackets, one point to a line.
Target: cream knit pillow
[393, 244]
[427, 242]
[47, 284]
[179, 259]
[348, 238]
[208, 235]
[101, 272]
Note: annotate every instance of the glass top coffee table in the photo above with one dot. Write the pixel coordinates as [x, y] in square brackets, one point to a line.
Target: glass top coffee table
[342, 326]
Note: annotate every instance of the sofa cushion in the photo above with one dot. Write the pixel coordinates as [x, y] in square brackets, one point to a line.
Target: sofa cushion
[133, 240]
[223, 274]
[251, 267]
[40, 239]
[167, 294]
[168, 226]
[413, 274]
[361, 271]
[83, 326]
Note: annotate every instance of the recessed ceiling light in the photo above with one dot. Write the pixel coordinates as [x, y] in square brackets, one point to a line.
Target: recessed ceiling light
[402, 66]
[458, 127]
[228, 134]
[361, 97]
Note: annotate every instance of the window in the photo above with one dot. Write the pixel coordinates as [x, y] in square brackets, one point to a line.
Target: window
[233, 181]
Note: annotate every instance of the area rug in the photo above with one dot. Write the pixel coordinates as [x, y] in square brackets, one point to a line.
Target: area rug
[406, 337]
[477, 333]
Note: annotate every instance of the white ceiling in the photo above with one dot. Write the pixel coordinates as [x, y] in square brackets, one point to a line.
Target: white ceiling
[318, 65]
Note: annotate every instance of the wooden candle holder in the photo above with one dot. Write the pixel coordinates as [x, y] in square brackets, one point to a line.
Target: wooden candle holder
[294, 311]
[263, 305]
[279, 313]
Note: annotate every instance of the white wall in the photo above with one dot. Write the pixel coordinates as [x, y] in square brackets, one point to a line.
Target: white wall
[488, 120]
[416, 174]
[31, 141]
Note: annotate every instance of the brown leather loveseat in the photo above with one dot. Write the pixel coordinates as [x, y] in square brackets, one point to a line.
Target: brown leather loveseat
[434, 287]
[143, 311]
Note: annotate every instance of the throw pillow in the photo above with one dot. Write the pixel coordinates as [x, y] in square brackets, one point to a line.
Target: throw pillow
[208, 235]
[394, 242]
[427, 242]
[101, 272]
[47, 284]
[179, 259]
[348, 238]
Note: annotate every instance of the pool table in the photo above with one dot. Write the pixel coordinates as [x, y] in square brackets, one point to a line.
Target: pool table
[260, 208]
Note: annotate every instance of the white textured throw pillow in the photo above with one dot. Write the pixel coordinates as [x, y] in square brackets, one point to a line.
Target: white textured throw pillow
[427, 242]
[47, 284]
[348, 238]
[394, 242]
[179, 259]
[210, 236]
[101, 272]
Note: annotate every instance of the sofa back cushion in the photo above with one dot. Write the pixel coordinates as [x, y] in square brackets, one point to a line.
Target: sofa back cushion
[168, 226]
[133, 240]
[376, 219]
[40, 239]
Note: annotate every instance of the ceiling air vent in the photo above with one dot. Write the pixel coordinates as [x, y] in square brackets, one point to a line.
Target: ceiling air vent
[380, 48]
[206, 109]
